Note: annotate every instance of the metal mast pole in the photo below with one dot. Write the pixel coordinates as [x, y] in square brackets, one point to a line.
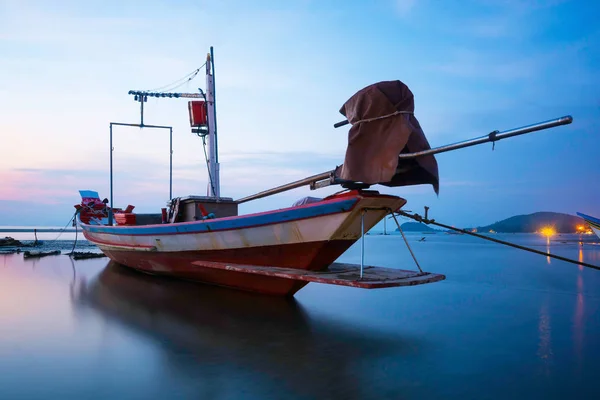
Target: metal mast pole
[213, 164]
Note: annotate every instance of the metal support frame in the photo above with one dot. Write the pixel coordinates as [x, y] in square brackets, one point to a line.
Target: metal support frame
[170, 128]
[362, 236]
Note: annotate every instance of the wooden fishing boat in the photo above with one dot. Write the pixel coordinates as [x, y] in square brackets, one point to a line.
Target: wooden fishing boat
[202, 238]
[594, 223]
[306, 238]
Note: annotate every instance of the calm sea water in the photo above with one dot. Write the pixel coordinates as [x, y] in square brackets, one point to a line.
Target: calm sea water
[504, 324]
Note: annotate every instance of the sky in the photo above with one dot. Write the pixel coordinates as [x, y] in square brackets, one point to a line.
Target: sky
[282, 71]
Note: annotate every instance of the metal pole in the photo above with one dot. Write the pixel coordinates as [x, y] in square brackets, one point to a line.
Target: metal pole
[170, 163]
[384, 226]
[362, 242]
[492, 137]
[213, 172]
[110, 214]
[140, 126]
[217, 175]
[141, 110]
[214, 89]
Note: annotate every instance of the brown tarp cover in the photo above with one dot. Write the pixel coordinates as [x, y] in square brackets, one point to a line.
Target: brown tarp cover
[374, 146]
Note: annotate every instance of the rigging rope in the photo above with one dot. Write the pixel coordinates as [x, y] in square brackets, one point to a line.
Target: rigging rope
[75, 242]
[427, 221]
[179, 82]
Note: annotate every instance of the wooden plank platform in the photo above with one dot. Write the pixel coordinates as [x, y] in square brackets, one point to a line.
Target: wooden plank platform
[336, 274]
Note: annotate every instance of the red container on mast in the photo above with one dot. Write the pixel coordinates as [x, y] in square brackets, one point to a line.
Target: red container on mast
[198, 117]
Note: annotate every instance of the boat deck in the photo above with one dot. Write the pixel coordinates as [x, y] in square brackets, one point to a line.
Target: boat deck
[337, 274]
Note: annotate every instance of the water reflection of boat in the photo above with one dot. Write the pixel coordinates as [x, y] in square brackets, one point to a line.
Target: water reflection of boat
[211, 333]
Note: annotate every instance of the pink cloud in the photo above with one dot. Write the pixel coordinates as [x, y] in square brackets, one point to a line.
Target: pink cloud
[51, 187]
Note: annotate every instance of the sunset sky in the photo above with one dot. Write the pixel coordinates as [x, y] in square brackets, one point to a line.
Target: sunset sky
[283, 69]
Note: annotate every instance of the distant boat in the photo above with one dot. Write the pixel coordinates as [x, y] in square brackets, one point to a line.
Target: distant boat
[594, 223]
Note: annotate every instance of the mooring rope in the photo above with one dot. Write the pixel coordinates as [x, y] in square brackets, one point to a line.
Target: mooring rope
[427, 221]
[63, 229]
[75, 242]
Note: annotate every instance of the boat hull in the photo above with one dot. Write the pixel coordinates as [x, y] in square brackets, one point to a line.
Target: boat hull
[184, 265]
[309, 237]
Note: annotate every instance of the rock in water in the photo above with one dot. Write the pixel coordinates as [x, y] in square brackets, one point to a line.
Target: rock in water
[82, 255]
[10, 242]
[38, 254]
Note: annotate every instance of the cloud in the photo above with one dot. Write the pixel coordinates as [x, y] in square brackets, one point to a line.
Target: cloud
[32, 213]
[147, 181]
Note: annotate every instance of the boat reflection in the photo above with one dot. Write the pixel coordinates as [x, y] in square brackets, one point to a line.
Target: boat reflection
[229, 335]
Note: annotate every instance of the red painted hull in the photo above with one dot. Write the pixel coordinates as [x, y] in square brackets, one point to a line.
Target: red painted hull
[313, 256]
[309, 237]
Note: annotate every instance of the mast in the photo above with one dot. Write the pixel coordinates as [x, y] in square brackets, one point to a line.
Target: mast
[214, 189]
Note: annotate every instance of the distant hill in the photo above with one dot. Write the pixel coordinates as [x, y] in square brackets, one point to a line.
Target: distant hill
[562, 223]
[416, 227]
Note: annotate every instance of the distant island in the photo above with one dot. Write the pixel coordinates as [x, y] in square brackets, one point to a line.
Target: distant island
[530, 223]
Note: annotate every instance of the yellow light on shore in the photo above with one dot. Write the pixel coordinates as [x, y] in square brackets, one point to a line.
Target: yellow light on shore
[548, 231]
[584, 230]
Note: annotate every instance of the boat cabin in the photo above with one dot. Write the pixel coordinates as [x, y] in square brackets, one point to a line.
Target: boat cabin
[197, 208]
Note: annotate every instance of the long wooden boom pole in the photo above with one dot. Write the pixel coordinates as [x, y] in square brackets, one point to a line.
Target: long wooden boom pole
[492, 137]
[288, 186]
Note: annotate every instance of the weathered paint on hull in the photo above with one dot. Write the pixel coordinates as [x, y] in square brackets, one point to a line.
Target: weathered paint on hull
[314, 256]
